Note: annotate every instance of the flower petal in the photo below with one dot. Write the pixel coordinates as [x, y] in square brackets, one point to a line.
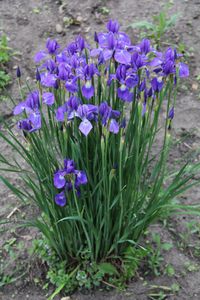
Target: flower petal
[88, 91]
[114, 126]
[122, 56]
[19, 108]
[183, 70]
[85, 127]
[39, 56]
[59, 179]
[60, 199]
[48, 98]
[81, 177]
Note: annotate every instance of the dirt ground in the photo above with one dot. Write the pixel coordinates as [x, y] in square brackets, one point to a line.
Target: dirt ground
[28, 24]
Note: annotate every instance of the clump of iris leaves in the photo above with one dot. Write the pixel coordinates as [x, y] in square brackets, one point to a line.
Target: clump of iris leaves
[88, 134]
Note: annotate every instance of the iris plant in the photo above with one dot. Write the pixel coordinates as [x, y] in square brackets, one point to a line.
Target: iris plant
[97, 108]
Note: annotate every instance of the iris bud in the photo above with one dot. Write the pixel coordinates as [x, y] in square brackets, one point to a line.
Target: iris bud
[37, 75]
[18, 72]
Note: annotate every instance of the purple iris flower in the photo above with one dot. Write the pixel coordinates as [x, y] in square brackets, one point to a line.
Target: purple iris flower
[63, 71]
[73, 103]
[32, 103]
[48, 98]
[71, 84]
[113, 44]
[61, 175]
[51, 48]
[108, 116]
[25, 125]
[145, 46]
[156, 84]
[127, 82]
[87, 74]
[169, 64]
[48, 80]
[65, 178]
[105, 112]
[80, 43]
[70, 107]
[116, 48]
[169, 67]
[72, 48]
[137, 61]
[87, 113]
[171, 54]
[32, 123]
[50, 65]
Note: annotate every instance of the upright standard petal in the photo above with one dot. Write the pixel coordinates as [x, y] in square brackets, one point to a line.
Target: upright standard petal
[114, 126]
[60, 113]
[48, 98]
[183, 70]
[69, 165]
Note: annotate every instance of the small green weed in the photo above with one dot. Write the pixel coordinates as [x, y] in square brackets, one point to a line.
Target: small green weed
[9, 254]
[163, 292]
[158, 27]
[5, 56]
[154, 256]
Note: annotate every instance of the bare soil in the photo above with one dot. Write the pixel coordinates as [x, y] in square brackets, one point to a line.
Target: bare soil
[28, 24]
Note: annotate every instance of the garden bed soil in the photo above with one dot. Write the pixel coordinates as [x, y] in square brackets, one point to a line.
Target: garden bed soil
[28, 24]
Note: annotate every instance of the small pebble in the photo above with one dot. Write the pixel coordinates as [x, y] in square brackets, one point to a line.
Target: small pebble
[59, 28]
[79, 19]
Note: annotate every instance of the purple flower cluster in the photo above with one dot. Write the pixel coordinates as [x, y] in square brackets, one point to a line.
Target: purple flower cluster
[88, 113]
[89, 87]
[67, 178]
[31, 106]
[75, 69]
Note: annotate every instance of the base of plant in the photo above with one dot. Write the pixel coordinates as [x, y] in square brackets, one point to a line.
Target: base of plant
[68, 276]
